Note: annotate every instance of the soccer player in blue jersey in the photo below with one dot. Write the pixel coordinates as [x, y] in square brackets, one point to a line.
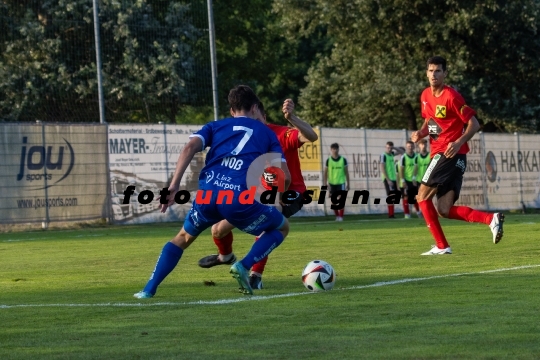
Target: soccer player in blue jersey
[235, 143]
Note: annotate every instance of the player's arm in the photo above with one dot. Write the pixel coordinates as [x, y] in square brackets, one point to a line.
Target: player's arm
[348, 186]
[194, 145]
[415, 171]
[402, 172]
[305, 131]
[398, 150]
[420, 134]
[472, 127]
[382, 167]
[325, 176]
[287, 174]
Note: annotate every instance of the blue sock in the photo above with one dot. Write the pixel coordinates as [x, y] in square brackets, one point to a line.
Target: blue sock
[262, 247]
[170, 255]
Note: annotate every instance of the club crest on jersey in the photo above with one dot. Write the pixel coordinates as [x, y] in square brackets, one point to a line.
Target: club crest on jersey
[440, 111]
[288, 133]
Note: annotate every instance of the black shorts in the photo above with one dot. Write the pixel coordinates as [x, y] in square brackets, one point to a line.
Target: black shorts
[411, 191]
[290, 210]
[388, 189]
[446, 174]
[336, 188]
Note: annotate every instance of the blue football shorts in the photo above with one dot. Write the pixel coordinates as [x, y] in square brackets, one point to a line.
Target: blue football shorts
[250, 218]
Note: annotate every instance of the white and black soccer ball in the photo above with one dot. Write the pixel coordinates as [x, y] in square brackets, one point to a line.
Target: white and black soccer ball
[318, 275]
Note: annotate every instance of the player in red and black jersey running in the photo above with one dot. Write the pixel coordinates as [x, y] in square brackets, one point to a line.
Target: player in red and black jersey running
[450, 123]
[290, 139]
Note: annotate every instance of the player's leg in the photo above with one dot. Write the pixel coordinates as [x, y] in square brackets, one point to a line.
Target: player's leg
[495, 221]
[255, 276]
[425, 202]
[223, 238]
[341, 212]
[412, 190]
[333, 188]
[167, 261]
[199, 218]
[256, 219]
[390, 206]
[257, 270]
[405, 197]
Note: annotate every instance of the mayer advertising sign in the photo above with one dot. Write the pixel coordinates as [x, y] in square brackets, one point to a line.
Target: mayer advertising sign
[145, 156]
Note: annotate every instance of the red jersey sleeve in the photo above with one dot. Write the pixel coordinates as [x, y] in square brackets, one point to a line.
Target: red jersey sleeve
[423, 103]
[464, 112]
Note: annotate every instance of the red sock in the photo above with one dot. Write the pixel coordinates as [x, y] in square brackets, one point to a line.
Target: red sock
[224, 244]
[416, 207]
[390, 210]
[259, 266]
[432, 221]
[465, 213]
[336, 212]
[341, 212]
[406, 206]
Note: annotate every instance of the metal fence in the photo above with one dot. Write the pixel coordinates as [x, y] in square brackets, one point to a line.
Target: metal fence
[70, 172]
[124, 61]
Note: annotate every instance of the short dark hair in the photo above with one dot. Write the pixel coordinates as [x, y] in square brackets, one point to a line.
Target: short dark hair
[242, 97]
[437, 60]
[423, 141]
[334, 146]
[261, 108]
[410, 142]
[390, 143]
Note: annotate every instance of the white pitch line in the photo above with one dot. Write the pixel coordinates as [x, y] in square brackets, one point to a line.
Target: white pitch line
[258, 298]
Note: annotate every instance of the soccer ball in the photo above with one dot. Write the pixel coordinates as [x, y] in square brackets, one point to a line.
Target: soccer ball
[318, 275]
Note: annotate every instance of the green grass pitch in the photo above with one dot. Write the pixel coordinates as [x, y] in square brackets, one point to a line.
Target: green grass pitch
[67, 294]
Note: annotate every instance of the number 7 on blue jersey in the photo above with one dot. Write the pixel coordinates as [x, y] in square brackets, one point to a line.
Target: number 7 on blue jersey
[244, 140]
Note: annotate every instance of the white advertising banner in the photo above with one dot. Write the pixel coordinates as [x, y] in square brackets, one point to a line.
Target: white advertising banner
[53, 172]
[512, 171]
[59, 172]
[473, 190]
[145, 156]
[503, 170]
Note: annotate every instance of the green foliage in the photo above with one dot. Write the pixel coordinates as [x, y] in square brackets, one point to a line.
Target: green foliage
[377, 62]
[483, 315]
[348, 63]
[252, 50]
[149, 54]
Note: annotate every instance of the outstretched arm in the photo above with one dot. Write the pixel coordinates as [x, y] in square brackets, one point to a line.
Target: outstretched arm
[306, 132]
[194, 145]
[348, 186]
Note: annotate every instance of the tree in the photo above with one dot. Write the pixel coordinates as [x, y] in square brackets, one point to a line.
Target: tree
[47, 64]
[376, 69]
[252, 50]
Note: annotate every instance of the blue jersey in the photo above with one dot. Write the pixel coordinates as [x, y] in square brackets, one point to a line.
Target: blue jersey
[234, 144]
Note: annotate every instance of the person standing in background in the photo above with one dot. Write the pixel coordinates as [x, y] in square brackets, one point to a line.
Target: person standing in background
[389, 173]
[336, 175]
[407, 179]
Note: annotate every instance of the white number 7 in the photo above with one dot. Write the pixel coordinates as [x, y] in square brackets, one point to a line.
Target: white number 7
[244, 140]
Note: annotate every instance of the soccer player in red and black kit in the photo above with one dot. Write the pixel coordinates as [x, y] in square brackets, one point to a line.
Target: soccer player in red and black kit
[450, 123]
[291, 139]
